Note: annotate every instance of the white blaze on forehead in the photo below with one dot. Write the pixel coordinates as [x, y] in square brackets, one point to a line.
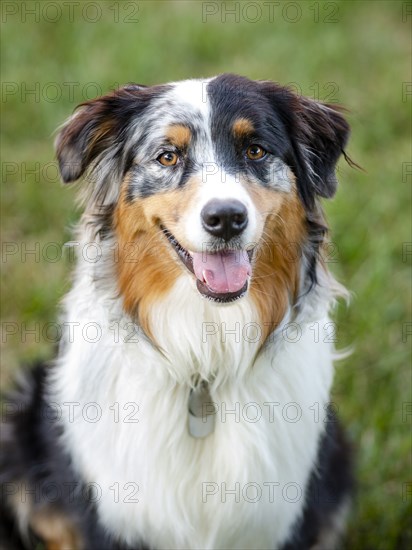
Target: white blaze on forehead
[193, 93]
[190, 99]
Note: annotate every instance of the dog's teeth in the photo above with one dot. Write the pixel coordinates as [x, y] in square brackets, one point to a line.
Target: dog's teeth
[204, 276]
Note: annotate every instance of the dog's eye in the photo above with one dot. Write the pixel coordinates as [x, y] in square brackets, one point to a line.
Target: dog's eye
[255, 152]
[168, 158]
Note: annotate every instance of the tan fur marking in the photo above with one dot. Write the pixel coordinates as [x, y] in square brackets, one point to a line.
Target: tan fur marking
[275, 278]
[56, 530]
[179, 135]
[147, 265]
[242, 127]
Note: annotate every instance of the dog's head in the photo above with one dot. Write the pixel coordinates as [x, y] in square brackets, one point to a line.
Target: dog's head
[209, 180]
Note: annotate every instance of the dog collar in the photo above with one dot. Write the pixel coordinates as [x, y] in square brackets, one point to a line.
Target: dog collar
[202, 411]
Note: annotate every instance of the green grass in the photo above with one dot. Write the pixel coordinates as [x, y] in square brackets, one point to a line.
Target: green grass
[361, 59]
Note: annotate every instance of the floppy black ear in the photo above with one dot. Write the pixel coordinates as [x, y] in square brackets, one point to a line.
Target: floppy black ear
[97, 126]
[321, 136]
[318, 133]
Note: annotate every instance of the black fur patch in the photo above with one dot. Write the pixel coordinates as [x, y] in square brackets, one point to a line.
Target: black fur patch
[307, 135]
[331, 485]
[233, 97]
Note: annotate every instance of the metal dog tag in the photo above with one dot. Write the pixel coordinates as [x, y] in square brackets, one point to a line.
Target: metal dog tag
[201, 411]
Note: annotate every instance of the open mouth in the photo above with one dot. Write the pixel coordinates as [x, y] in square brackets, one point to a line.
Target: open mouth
[221, 276]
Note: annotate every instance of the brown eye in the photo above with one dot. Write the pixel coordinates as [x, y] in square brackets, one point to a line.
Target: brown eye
[255, 152]
[168, 158]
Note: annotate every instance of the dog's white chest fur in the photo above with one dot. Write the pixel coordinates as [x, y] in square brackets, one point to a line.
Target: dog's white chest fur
[243, 485]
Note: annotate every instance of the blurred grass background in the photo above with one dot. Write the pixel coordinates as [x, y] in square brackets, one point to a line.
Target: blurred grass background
[356, 53]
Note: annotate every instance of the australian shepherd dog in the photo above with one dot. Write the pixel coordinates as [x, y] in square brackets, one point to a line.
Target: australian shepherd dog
[189, 404]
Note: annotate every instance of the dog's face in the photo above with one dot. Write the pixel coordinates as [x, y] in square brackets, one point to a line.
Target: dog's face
[206, 179]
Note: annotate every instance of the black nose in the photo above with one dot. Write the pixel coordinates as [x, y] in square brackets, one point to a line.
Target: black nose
[224, 218]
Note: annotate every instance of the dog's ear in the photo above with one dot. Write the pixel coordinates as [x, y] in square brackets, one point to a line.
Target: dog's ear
[318, 134]
[321, 137]
[97, 126]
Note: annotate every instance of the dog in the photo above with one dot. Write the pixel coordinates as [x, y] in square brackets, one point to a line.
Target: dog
[188, 405]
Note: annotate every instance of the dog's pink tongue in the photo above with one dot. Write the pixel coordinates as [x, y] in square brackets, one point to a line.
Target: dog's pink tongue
[225, 271]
